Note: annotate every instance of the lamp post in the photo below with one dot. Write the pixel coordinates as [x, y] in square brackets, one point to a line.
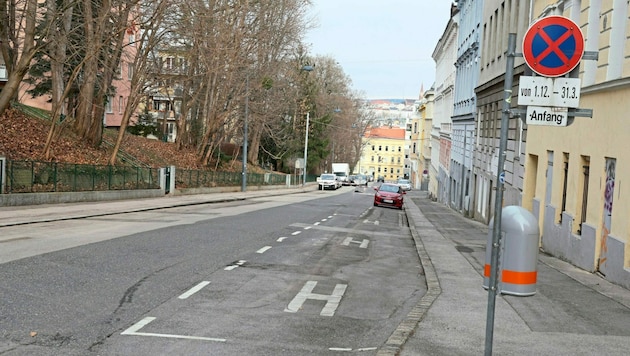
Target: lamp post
[305, 148]
[244, 170]
[306, 68]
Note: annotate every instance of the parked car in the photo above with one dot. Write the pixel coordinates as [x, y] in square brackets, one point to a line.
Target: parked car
[328, 181]
[380, 179]
[359, 179]
[405, 184]
[388, 194]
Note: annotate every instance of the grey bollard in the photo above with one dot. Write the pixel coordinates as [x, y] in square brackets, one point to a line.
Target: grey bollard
[518, 252]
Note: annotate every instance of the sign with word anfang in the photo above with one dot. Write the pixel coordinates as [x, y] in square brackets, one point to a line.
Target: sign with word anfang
[546, 91]
[546, 116]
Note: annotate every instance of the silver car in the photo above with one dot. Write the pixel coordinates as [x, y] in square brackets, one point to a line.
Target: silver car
[405, 184]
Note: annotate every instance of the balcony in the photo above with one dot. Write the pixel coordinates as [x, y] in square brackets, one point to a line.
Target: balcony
[446, 128]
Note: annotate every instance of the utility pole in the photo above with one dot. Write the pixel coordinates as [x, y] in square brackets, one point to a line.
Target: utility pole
[498, 204]
[305, 148]
[244, 170]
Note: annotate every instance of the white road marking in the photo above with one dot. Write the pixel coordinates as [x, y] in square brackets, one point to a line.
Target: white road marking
[194, 290]
[317, 223]
[362, 244]
[308, 228]
[239, 263]
[349, 349]
[296, 233]
[280, 239]
[324, 219]
[133, 330]
[332, 301]
[262, 250]
[330, 216]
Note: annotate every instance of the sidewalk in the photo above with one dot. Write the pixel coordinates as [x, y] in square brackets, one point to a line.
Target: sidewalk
[572, 313]
[19, 215]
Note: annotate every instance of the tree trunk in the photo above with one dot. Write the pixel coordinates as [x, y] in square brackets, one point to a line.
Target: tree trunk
[9, 91]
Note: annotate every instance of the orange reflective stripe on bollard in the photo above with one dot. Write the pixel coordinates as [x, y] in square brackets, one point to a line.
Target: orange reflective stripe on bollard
[514, 277]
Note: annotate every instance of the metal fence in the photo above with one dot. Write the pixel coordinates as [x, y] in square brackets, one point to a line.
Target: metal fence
[185, 178]
[38, 177]
[44, 177]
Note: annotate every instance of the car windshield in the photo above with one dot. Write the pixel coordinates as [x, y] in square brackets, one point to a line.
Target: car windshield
[328, 176]
[389, 188]
[403, 181]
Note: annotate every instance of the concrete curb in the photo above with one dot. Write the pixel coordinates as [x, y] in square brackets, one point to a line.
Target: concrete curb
[394, 344]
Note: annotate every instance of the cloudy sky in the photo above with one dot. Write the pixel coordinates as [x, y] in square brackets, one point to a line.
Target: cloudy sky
[384, 46]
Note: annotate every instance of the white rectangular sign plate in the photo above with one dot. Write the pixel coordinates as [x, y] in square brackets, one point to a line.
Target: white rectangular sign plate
[545, 91]
[546, 116]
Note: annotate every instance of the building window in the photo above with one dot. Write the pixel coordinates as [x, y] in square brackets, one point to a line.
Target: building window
[129, 71]
[380, 148]
[120, 104]
[373, 148]
[386, 148]
[399, 148]
[565, 178]
[372, 158]
[584, 200]
[108, 105]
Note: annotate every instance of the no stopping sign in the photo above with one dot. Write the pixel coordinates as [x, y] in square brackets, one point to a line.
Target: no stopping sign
[553, 46]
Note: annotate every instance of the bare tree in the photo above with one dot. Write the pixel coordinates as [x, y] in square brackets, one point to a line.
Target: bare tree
[148, 21]
[104, 29]
[18, 44]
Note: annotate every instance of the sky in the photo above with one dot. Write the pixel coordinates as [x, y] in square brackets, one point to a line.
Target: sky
[384, 46]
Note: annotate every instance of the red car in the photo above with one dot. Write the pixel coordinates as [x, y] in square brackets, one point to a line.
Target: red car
[388, 194]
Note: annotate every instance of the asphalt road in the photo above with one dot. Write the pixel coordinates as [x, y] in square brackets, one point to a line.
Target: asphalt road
[310, 274]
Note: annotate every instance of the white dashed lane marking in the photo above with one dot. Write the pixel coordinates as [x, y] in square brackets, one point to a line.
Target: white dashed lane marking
[194, 290]
[239, 263]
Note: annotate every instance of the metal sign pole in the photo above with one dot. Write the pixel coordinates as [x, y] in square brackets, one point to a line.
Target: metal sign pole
[498, 204]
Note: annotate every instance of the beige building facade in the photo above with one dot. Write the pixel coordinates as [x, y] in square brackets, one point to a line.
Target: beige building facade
[424, 144]
[574, 181]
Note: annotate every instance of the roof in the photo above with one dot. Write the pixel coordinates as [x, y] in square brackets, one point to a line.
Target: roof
[385, 132]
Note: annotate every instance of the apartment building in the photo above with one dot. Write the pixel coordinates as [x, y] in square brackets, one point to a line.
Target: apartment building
[384, 152]
[574, 182]
[499, 19]
[444, 55]
[465, 103]
[424, 144]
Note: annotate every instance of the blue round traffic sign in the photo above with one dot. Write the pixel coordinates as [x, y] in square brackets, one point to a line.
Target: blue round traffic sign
[553, 46]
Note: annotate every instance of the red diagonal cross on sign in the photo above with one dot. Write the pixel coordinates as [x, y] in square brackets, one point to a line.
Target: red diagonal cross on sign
[554, 46]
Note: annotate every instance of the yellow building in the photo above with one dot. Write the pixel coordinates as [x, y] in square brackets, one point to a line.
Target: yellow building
[383, 153]
[423, 144]
[574, 175]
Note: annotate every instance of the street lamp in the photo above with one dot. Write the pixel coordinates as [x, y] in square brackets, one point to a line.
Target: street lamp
[305, 148]
[244, 170]
[306, 68]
